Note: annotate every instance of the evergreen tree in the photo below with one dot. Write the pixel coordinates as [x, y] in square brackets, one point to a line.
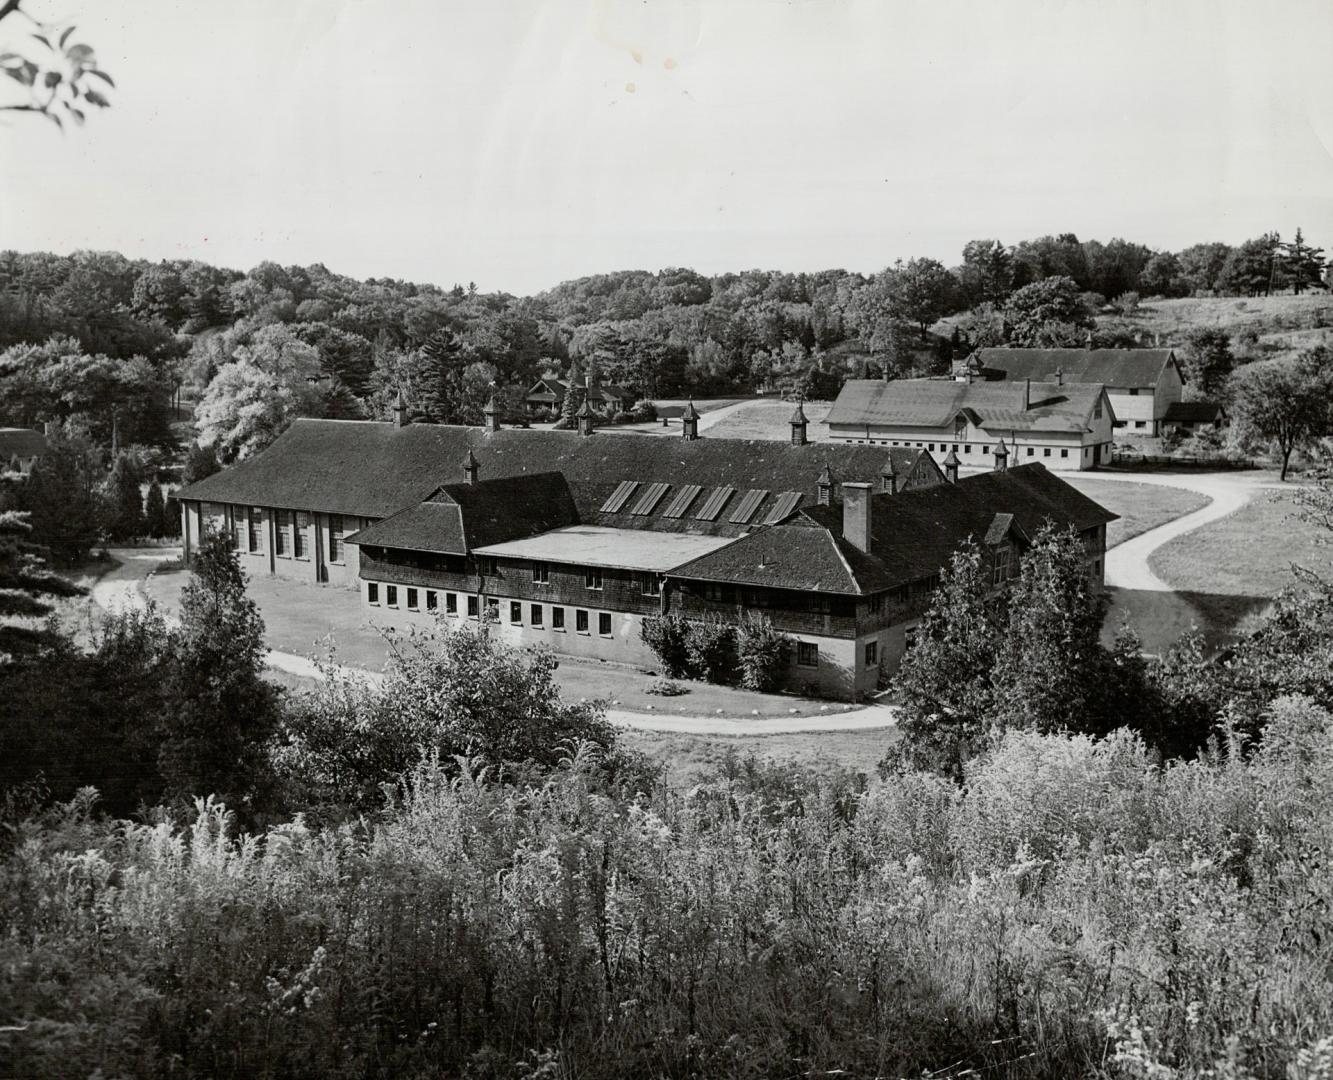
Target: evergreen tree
[222, 710]
[944, 679]
[154, 510]
[200, 461]
[59, 498]
[122, 500]
[574, 395]
[1304, 264]
[440, 377]
[1049, 664]
[26, 584]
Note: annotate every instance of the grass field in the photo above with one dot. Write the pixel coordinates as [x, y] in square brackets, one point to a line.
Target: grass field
[1249, 553]
[1141, 506]
[770, 420]
[687, 758]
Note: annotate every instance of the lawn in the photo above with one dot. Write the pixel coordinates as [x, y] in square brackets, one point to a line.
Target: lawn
[1141, 506]
[770, 420]
[687, 758]
[1248, 553]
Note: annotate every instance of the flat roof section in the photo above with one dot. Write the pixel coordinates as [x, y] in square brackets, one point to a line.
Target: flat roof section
[620, 549]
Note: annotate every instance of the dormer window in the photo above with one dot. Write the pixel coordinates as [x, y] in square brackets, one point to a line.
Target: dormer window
[959, 426]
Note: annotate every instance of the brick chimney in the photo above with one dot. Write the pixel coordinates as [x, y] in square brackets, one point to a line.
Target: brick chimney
[1027, 394]
[470, 468]
[400, 419]
[491, 414]
[689, 421]
[799, 425]
[951, 464]
[857, 511]
[824, 487]
[585, 418]
[1001, 457]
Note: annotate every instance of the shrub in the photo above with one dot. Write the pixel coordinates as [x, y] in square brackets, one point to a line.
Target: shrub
[666, 688]
[644, 411]
[761, 653]
[710, 645]
[665, 635]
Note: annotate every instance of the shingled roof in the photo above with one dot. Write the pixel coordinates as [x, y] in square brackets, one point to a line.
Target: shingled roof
[994, 406]
[1194, 412]
[460, 517]
[1140, 368]
[371, 469]
[914, 534]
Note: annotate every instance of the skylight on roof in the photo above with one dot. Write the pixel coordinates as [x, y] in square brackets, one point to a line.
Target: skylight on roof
[678, 505]
[782, 506]
[714, 503]
[619, 497]
[649, 499]
[747, 506]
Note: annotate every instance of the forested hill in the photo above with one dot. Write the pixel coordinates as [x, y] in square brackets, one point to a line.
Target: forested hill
[94, 333]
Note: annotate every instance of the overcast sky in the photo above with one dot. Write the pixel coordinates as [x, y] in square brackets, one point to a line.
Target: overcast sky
[518, 144]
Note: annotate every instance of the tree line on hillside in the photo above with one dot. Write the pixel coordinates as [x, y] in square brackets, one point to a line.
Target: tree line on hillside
[456, 872]
[257, 348]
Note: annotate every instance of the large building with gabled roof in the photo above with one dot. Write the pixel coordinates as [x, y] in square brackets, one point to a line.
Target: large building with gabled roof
[1064, 425]
[571, 540]
[1141, 384]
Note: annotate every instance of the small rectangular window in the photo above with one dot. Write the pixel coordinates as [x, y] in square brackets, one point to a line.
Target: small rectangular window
[492, 609]
[1139, 423]
[967, 449]
[931, 448]
[335, 538]
[391, 595]
[472, 607]
[1046, 452]
[515, 612]
[256, 533]
[372, 592]
[535, 614]
[432, 600]
[486, 564]
[871, 653]
[580, 621]
[451, 603]
[592, 578]
[541, 573]
[301, 535]
[281, 542]
[651, 584]
[1064, 453]
[557, 618]
[412, 600]
[807, 654]
[1031, 451]
[604, 623]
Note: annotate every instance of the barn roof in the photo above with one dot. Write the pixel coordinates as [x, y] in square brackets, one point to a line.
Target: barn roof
[1140, 368]
[994, 406]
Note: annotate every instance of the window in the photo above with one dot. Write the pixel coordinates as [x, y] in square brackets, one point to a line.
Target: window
[1139, 424]
[256, 533]
[451, 603]
[807, 654]
[238, 528]
[535, 614]
[1119, 424]
[412, 600]
[432, 600]
[651, 584]
[1046, 452]
[487, 565]
[558, 619]
[580, 621]
[871, 653]
[1031, 451]
[391, 595]
[592, 578]
[604, 623]
[1097, 410]
[372, 592]
[472, 607]
[541, 574]
[967, 449]
[1133, 391]
[1000, 573]
[959, 427]
[301, 535]
[492, 609]
[282, 546]
[335, 538]
[515, 612]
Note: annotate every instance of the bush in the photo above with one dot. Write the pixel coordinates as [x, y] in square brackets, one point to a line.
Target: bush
[761, 653]
[666, 688]
[710, 645]
[644, 412]
[665, 635]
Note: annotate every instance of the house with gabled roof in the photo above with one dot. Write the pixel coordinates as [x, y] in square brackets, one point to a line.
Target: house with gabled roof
[20, 448]
[548, 393]
[1064, 425]
[1141, 384]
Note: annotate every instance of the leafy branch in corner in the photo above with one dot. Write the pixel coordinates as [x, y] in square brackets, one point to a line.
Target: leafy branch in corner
[56, 73]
